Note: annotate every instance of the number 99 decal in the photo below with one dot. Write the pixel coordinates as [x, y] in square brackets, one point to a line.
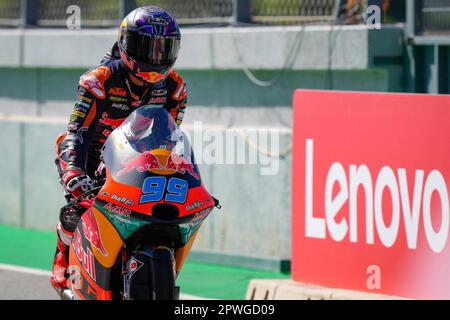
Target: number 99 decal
[153, 190]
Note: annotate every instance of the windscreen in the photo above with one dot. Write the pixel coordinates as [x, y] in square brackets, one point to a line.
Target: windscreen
[149, 143]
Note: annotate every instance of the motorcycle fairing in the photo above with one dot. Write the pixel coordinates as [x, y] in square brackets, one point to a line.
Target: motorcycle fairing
[98, 240]
[197, 199]
[93, 253]
[148, 145]
[128, 225]
[146, 152]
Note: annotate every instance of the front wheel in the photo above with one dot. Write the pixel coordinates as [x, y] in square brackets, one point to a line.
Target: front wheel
[151, 275]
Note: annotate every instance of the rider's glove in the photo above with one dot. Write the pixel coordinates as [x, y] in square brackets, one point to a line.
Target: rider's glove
[76, 182]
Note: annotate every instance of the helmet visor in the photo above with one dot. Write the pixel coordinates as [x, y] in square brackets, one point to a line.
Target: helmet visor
[155, 50]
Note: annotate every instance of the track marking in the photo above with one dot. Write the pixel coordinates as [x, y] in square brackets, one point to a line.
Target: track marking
[37, 272]
[46, 273]
[184, 296]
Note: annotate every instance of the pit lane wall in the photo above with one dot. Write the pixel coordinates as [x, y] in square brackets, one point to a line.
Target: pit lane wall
[237, 77]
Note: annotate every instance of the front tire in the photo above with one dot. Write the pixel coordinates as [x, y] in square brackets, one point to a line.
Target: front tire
[163, 274]
[151, 275]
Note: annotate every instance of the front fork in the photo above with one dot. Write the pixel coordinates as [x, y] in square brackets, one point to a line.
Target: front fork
[126, 293]
[126, 269]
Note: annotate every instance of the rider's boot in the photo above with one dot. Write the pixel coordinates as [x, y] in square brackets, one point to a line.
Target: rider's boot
[61, 260]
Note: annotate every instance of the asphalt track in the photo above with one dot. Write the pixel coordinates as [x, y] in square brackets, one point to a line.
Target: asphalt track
[23, 284]
[18, 283]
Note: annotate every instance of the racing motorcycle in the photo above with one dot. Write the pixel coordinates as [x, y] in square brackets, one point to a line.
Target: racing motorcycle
[140, 224]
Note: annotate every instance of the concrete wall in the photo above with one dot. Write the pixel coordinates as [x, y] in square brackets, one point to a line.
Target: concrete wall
[223, 66]
[209, 48]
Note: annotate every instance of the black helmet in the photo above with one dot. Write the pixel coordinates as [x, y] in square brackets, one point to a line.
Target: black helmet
[149, 41]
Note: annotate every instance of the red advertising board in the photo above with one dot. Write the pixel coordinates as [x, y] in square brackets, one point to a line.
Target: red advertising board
[370, 189]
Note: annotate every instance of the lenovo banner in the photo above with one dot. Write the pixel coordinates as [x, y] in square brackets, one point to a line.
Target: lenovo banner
[371, 181]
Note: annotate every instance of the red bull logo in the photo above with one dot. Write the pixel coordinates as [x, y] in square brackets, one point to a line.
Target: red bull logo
[92, 232]
[148, 161]
[151, 77]
[179, 164]
[85, 257]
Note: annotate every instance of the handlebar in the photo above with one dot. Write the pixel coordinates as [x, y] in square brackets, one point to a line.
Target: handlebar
[85, 200]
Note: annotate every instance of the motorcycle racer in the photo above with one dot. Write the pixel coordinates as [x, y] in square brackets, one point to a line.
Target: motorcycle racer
[137, 71]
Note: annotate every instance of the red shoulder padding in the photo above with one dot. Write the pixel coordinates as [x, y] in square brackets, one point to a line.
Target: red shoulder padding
[94, 81]
[180, 92]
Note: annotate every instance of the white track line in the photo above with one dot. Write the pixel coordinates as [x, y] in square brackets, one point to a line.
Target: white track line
[39, 272]
[184, 296]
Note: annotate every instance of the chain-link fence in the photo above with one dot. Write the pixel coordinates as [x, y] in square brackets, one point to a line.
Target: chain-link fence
[10, 13]
[93, 13]
[195, 11]
[108, 13]
[292, 11]
[434, 17]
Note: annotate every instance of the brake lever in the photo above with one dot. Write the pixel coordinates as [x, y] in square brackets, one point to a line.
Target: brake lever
[217, 203]
[87, 203]
[86, 200]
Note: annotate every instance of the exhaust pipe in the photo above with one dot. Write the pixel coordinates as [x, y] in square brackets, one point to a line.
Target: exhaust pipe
[67, 295]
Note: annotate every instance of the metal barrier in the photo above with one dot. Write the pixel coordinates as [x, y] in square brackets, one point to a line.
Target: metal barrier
[434, 17]
[10, 13]
[196, 11]
[107, 13]
[428, 45]
[291, 11]
[93, 13]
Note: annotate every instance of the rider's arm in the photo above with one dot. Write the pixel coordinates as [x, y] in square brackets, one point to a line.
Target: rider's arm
[177, 99]
[84, 118]
[178, 111]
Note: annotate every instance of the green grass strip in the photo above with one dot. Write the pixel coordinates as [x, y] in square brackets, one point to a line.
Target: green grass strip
[35, 249]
